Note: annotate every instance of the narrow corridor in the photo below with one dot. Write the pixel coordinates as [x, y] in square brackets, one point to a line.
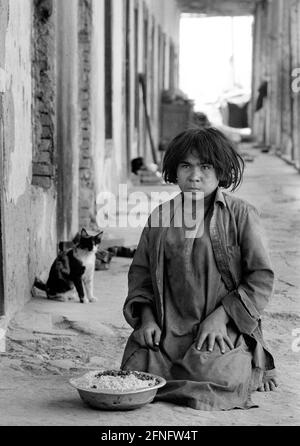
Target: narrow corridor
[49, 342]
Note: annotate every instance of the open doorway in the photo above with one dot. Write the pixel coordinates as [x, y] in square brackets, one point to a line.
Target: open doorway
[216, 63]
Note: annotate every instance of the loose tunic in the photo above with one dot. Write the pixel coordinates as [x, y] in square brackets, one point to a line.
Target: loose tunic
[193, 284]
[193, 288]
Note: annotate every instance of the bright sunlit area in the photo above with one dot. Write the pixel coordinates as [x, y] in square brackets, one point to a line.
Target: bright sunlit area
[215, 61]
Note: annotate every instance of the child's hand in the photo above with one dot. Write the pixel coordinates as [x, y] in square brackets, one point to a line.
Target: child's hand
[213, 329]
[148, 335]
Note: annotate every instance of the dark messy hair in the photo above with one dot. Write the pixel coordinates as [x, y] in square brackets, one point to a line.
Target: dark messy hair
[212, 147]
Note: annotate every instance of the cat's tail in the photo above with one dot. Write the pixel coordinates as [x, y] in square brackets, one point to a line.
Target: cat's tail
[40, 285]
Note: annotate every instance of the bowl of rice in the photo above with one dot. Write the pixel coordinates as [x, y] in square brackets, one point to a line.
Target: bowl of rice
[117, 389]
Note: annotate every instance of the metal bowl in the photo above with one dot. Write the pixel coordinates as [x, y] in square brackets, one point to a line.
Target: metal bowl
[115, 400]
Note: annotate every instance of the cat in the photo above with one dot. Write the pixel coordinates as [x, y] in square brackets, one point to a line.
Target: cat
[85, 251]
[74, 266]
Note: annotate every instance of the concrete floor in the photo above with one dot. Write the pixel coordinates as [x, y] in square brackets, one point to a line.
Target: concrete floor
[49, 342]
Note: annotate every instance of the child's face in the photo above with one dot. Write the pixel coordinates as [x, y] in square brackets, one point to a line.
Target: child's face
[194, 175]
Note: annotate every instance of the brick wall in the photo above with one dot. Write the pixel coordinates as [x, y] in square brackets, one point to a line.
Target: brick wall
[43, 80]
[86, 171]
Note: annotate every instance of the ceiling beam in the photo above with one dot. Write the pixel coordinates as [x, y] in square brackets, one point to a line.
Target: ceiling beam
[218, 7]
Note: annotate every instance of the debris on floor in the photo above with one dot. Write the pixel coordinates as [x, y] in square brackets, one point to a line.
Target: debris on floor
[122, 251]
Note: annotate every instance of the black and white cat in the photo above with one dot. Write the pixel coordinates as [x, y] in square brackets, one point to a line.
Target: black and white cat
[73, 267]
[85, 251]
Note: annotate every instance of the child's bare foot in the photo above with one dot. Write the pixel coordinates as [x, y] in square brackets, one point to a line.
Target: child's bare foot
[269, 384]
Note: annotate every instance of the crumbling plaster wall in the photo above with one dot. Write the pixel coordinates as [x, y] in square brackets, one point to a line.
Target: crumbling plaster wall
[29, 212]
[118, 162]
[165, 14]
[86, 166]
[68, 118]
[110, 156]
[97, 102]
[276, 60]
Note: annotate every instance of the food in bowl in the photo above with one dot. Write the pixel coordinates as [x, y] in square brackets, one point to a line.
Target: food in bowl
[117, 389]
[116, 380]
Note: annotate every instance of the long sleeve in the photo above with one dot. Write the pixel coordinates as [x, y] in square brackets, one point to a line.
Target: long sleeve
[140, 288]
[245, 304]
